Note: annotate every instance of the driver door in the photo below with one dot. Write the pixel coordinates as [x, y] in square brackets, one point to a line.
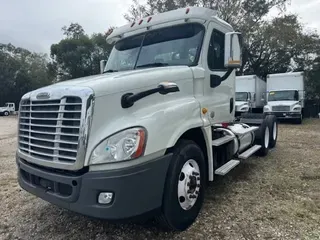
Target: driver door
[220, 99]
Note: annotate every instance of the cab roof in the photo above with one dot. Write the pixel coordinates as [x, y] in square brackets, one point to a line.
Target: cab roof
[198, 13]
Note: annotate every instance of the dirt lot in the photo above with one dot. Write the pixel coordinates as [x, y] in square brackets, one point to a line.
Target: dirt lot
[277, 197]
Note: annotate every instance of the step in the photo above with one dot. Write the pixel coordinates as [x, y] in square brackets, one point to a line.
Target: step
[223, 170]
[220, 141]
[249, 152]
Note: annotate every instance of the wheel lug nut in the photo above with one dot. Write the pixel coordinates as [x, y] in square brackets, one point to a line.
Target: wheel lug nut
[195, 173]
[189, 191]
[198, 185]
[197, 192]
[192, 196]
[198, 178]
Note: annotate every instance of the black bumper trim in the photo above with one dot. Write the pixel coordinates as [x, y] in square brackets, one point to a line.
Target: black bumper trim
[285, 115]
[137, 190]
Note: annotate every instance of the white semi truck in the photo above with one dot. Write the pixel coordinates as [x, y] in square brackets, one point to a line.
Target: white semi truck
[7, 109]
[250, 94]
[286, 95]
[146, 136]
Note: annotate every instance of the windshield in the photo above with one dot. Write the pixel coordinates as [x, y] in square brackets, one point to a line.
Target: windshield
[6, 105]
[172, 46]
[242, 96]
[290, 95]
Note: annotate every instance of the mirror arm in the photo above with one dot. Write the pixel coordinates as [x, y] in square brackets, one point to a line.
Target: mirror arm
[128, 99]
[228, 73]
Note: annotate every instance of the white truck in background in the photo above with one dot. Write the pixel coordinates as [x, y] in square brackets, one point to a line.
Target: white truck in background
[250, 94]
[285, 95]
[7, 109]
[147, 135]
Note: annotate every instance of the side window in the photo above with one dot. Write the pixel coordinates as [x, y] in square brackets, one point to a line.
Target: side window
[216, 51]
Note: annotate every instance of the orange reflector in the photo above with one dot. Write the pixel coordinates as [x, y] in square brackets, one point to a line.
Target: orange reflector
[188, 10]
[141, 145]
[204, 110]
[149, 19]
[140, 21]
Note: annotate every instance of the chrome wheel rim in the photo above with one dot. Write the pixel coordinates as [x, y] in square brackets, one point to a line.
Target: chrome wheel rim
[189, 184]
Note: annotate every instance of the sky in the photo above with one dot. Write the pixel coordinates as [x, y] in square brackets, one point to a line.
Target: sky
[36, 24]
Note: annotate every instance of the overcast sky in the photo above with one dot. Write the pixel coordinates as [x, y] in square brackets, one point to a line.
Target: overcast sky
[36, 24]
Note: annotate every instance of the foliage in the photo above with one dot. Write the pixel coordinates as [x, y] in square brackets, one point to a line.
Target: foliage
[21, 71]
[79, 55]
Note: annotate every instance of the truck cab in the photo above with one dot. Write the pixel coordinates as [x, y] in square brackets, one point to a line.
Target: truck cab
[250, 94]
[7, 109]
[146, 135]
[285, 96]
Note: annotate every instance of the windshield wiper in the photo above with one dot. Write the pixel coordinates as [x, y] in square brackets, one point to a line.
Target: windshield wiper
[153, 65]
[110, 71]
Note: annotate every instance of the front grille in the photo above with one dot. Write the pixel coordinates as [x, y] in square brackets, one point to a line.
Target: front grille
[281, 108]
[49, 130]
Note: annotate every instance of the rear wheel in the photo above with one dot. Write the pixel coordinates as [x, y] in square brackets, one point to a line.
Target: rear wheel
[184, 187]
[263, 138]
[273, 127]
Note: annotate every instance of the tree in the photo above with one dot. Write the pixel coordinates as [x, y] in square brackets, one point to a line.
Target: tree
[21, 71]
[78, 55]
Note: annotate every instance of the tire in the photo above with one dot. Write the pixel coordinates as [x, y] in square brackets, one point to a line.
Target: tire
[273, 127]
[6, 113]
[173, 216]
[262, 138]
[299, 120]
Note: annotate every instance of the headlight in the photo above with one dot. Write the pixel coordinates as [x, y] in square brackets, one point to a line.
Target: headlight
[266, 109]
[297, 109]
[125, 145]
[244, 109]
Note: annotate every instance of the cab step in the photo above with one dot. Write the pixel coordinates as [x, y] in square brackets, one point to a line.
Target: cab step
[249, 152]
[220, 141]
[224, 169]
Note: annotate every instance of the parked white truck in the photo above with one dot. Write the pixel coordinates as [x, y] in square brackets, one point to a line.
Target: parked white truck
[7, 109]
[286, 95]
[250, 94]
[145, 136]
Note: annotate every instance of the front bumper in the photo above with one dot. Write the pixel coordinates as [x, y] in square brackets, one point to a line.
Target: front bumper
[137, 190]
[285, 115]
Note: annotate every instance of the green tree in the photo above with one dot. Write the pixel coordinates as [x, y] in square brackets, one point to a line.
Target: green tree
[21, 71]
[78, 55]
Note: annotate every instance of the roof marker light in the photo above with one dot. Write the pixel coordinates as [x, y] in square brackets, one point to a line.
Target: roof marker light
[187, 10]
[140, 21]
[149, 19]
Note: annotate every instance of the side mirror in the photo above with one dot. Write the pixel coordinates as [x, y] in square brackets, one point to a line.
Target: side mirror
[168, 87]
[232, 52]
[102, 65]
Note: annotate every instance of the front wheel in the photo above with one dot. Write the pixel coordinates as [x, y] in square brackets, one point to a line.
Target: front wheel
[6, 113]
[184, 187]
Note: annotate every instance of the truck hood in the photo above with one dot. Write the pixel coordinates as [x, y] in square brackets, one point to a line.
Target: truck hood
[283, 103]
[110, 83]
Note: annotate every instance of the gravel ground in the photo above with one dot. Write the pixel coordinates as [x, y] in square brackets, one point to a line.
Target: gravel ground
[277, 197]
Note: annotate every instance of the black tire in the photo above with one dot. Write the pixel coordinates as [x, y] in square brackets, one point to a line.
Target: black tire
[299, 120]
[273, 127]
[6, 113]
[173, 217]
[261, 139]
